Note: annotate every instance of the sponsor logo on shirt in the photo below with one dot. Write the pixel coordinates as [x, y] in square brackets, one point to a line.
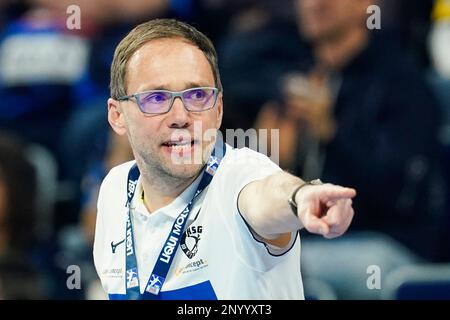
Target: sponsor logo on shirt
[190, 239]
[112, 273]
[191, 267]
[115, 245]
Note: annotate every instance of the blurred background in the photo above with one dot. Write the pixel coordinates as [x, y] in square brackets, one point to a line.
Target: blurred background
[358, 102]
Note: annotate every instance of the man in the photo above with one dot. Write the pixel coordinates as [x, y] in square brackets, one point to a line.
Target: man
[240, 215]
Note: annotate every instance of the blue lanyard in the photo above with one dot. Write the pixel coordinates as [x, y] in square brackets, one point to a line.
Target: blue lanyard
[165, 258]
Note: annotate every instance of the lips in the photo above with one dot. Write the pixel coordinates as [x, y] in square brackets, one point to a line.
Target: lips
[180, 147]
[179, 143]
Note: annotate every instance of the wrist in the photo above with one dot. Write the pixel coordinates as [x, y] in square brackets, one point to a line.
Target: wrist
[292, 201]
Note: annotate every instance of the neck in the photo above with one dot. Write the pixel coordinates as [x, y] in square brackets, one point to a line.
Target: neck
[335, 52]
[159, 192]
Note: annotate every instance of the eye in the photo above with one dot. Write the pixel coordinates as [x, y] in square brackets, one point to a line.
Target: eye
[197, 94]
[155, 97]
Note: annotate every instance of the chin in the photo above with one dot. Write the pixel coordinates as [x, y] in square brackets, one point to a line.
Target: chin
[184, 171]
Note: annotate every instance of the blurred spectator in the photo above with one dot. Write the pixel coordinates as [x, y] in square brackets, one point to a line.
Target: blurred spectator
[44, 79]
[439, 47]
[11, 9]
[261, 44]
[362, 115]
[440, 38]
[19, 278]
[410, 22]
[77, 241]
[43, 75]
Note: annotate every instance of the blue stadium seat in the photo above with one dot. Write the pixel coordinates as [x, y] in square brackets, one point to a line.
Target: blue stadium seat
[418, 282]
[316, 289]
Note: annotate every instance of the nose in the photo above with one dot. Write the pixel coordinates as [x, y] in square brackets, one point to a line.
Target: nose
[178, 116]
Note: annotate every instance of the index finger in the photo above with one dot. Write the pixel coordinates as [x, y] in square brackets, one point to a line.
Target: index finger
[331, 192]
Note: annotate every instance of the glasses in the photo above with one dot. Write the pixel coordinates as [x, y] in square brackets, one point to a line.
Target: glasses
[161, 101]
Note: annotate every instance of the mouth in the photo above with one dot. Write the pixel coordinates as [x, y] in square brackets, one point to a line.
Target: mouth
[180, 146]
[179, 143]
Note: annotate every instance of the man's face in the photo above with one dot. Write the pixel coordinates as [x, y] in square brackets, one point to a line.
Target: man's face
[169, 64]
[322, 19]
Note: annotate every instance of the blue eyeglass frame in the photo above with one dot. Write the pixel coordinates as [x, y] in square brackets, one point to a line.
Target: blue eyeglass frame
[174, 95]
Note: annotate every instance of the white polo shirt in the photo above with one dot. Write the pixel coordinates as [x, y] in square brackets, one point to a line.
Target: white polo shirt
[218, 258]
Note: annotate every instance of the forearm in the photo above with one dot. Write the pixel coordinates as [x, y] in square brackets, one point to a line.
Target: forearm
[264, 205]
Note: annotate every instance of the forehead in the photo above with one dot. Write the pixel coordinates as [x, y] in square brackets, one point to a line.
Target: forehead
[169, 63]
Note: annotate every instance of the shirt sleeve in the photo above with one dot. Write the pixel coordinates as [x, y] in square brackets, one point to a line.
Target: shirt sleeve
[110, 199]
[242, 167]
[99, 231]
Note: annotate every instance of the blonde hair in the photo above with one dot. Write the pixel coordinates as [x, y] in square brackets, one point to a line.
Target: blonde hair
[151, 30]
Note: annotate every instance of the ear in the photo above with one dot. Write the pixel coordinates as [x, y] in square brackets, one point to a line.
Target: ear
[219, 110]
[116, 118]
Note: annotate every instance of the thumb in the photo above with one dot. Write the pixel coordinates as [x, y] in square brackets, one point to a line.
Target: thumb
[315, 225]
